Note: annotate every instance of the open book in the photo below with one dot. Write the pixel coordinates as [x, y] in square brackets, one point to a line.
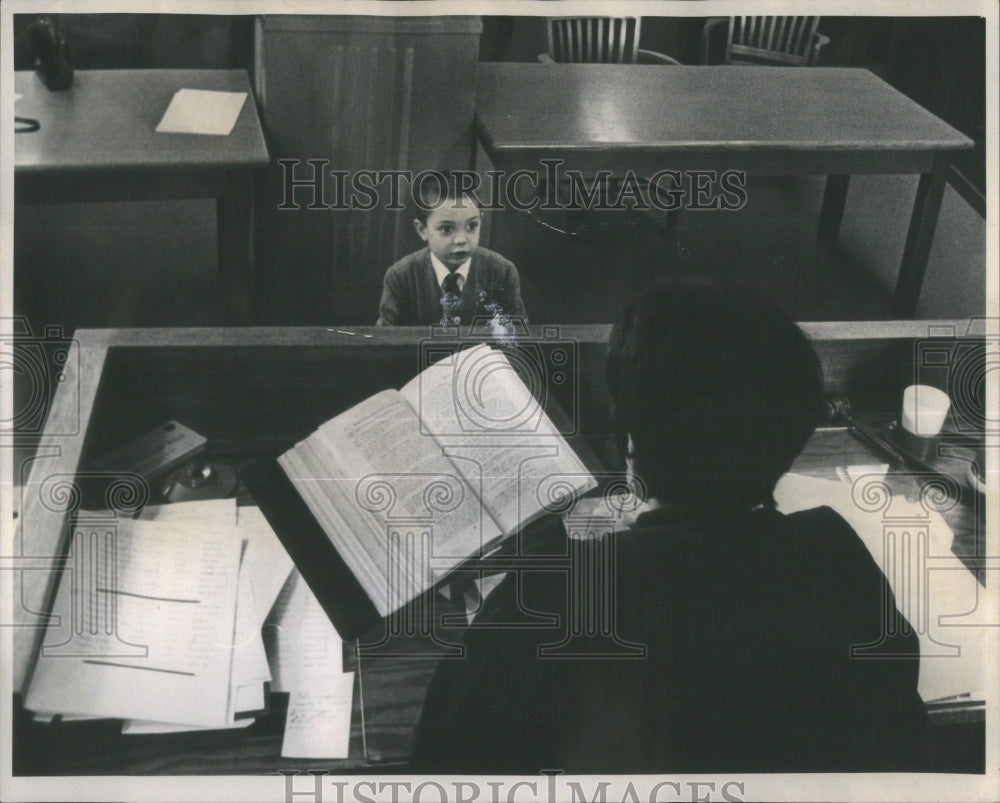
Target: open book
[410, 483]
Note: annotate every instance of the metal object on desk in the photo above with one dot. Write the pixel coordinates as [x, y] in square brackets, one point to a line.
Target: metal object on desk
[934, 454]
[838, 409]
[199, 480]
[931, 455]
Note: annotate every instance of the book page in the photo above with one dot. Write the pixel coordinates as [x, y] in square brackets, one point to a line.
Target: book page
[497, 435]
[153, 606]
[394, 506]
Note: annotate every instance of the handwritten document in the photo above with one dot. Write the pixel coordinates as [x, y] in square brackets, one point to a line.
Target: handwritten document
[319, 718]
[153, 606]
[318, 724]
[266, 564]
[306, 657]
[303, 642]
[264, 568]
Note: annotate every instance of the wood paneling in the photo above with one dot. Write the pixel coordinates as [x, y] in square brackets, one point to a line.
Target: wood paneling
[352, 93]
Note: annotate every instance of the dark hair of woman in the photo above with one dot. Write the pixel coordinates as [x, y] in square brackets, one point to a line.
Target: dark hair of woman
[719, 391]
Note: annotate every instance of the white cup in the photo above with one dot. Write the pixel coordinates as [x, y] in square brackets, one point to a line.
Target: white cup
[924, 410]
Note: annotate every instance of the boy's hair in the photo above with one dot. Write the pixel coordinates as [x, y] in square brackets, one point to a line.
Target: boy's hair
[720, 392]
[436, 188]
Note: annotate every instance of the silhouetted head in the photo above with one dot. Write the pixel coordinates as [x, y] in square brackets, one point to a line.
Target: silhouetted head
[719, 392]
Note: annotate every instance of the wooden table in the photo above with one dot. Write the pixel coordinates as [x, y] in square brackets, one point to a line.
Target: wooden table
[97, 142]
[770, 121]
[253, 391]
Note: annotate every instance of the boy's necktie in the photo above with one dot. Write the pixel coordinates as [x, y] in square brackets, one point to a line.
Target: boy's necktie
[449, 301]
[451, 285]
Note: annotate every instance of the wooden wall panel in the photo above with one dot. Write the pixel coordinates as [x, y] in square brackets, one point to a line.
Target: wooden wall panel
[359, 93]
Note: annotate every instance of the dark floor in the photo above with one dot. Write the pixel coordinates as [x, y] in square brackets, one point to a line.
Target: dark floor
[580, 267]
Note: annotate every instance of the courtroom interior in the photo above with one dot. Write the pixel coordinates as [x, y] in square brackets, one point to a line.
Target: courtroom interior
[102, 260]
[198, 299]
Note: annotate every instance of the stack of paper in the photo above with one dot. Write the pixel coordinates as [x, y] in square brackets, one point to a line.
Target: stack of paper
[159, 620]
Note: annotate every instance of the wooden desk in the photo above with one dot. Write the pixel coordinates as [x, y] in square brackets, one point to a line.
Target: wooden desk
[770, 121]
[97, 142]
[254, 391]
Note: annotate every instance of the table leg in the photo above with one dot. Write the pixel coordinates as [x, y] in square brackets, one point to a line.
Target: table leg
[919, 238]
[234, 221]
[832, 212]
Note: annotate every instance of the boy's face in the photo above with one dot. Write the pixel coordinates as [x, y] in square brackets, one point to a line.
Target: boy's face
[451, 231]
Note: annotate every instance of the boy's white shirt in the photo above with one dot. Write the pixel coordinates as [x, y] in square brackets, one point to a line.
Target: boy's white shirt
[442, 270]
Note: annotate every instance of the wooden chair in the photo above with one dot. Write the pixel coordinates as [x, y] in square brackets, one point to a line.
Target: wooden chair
[790, 41]
[603, 40]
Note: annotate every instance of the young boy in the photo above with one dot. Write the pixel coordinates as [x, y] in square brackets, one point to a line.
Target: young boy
[453, 280]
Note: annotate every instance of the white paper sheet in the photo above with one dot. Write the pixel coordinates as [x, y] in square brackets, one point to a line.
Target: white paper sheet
[200, 111]
[169, 593]
[300, 637]
[320, 647]
[319, 718]
[249, 660]
[249, 671]
[265, 562]
[141, 727]
[935, 592]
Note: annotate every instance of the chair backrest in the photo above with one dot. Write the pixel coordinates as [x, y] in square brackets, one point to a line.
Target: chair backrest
[771, 40]
[605, 40]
